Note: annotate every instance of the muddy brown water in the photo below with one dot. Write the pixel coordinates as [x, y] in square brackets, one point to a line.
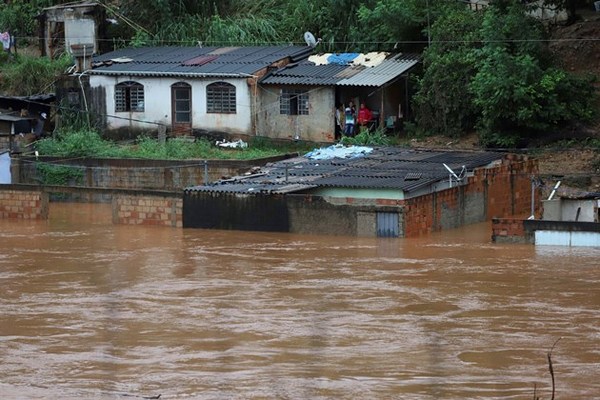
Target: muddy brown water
[95, 311]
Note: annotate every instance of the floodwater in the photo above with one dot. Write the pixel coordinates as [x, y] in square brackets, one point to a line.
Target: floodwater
[95, 311]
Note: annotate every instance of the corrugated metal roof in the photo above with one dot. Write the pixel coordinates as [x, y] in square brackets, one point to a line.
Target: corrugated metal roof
[194, 61]
[383, 168]
[308, 73]
[382, 73]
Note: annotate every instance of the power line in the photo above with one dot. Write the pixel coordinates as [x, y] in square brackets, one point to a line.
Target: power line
[335, 42]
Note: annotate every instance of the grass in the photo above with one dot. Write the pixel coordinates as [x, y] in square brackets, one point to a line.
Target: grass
[89, 144]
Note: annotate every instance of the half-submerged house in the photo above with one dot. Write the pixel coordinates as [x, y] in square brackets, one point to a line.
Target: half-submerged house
[570, 219]
[365, 191]
[186, 90]
[299, 101]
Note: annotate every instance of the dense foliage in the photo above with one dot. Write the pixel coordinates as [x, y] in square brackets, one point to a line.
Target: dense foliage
[485, 70]
[491, 71]
[29, 75]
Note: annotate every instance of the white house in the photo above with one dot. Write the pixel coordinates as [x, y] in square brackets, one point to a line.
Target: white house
[185, 89]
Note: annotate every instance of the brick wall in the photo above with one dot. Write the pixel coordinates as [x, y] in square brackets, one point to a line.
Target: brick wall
[508, 230]
[147, 210]
[23, 204]
[496, 192]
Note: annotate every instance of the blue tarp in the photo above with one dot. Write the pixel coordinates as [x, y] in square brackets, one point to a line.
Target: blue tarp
[342, 58]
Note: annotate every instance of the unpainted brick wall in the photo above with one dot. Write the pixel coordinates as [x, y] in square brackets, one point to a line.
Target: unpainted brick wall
[23, 204]
[496, 192]
[147, 210]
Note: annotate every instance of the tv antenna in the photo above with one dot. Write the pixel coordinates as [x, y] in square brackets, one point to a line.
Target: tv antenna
[310, 40]
[453, 176]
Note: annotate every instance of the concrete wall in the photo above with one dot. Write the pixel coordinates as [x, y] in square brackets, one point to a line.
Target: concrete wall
[137, 174]
[318, 126]
[23, 203]
[157, 104]
[579, 210]
[145, 209]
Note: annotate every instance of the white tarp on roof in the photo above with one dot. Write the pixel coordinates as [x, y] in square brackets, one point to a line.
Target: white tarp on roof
[338, 151]
[371, 59]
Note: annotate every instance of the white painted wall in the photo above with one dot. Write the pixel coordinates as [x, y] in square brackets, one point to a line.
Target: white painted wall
[588, 211]
[80, 31]
[561, 238]
[157, 97]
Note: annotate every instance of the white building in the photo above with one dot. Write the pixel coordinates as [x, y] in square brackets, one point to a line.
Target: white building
[184, 89]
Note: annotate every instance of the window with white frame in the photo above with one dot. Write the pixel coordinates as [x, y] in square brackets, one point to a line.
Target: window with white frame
[220, 98]
[129, 96]
[293, 102]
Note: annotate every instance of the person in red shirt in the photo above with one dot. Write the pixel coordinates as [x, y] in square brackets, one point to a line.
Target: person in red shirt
[364, 115]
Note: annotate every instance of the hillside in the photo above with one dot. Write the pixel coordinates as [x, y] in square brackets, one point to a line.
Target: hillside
[577, 50]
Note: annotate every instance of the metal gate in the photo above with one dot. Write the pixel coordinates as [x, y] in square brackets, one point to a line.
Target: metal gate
[387, 224]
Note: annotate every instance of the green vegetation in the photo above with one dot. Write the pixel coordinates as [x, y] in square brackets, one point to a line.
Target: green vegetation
[27, 75]
[59, 174]
[487, 71]
[368, 138]
[88, 143]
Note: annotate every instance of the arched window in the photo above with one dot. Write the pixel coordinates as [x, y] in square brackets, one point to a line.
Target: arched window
[220, 98]
[129, 96]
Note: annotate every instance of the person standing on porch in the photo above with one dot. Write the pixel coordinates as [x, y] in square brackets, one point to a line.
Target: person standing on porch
[364, 115]
[349, 120]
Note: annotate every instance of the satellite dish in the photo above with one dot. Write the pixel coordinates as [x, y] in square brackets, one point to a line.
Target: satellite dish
[458, 177]
[310, 40]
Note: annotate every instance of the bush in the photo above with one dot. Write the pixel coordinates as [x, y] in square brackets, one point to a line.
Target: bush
[367, 138]
[27, 75]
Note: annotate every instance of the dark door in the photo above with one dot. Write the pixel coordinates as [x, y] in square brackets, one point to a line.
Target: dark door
[181, 106]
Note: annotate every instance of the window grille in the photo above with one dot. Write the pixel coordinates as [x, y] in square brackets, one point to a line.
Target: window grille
[220, 98]
[129, 96]
[293, 102]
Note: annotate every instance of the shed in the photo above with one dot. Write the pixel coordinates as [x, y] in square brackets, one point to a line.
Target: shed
[71, 24]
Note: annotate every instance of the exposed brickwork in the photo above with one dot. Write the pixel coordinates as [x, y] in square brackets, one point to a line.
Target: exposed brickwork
[147, 210]
[496, 192]
[21, 204]
[508, 230]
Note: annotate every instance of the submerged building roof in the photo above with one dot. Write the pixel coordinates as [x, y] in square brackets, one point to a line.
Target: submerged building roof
[195, 61]
[371, 69]
[366, 168]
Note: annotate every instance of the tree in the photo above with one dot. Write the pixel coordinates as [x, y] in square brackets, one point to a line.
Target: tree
[518, 94]
[389, 24]
[443, 103]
